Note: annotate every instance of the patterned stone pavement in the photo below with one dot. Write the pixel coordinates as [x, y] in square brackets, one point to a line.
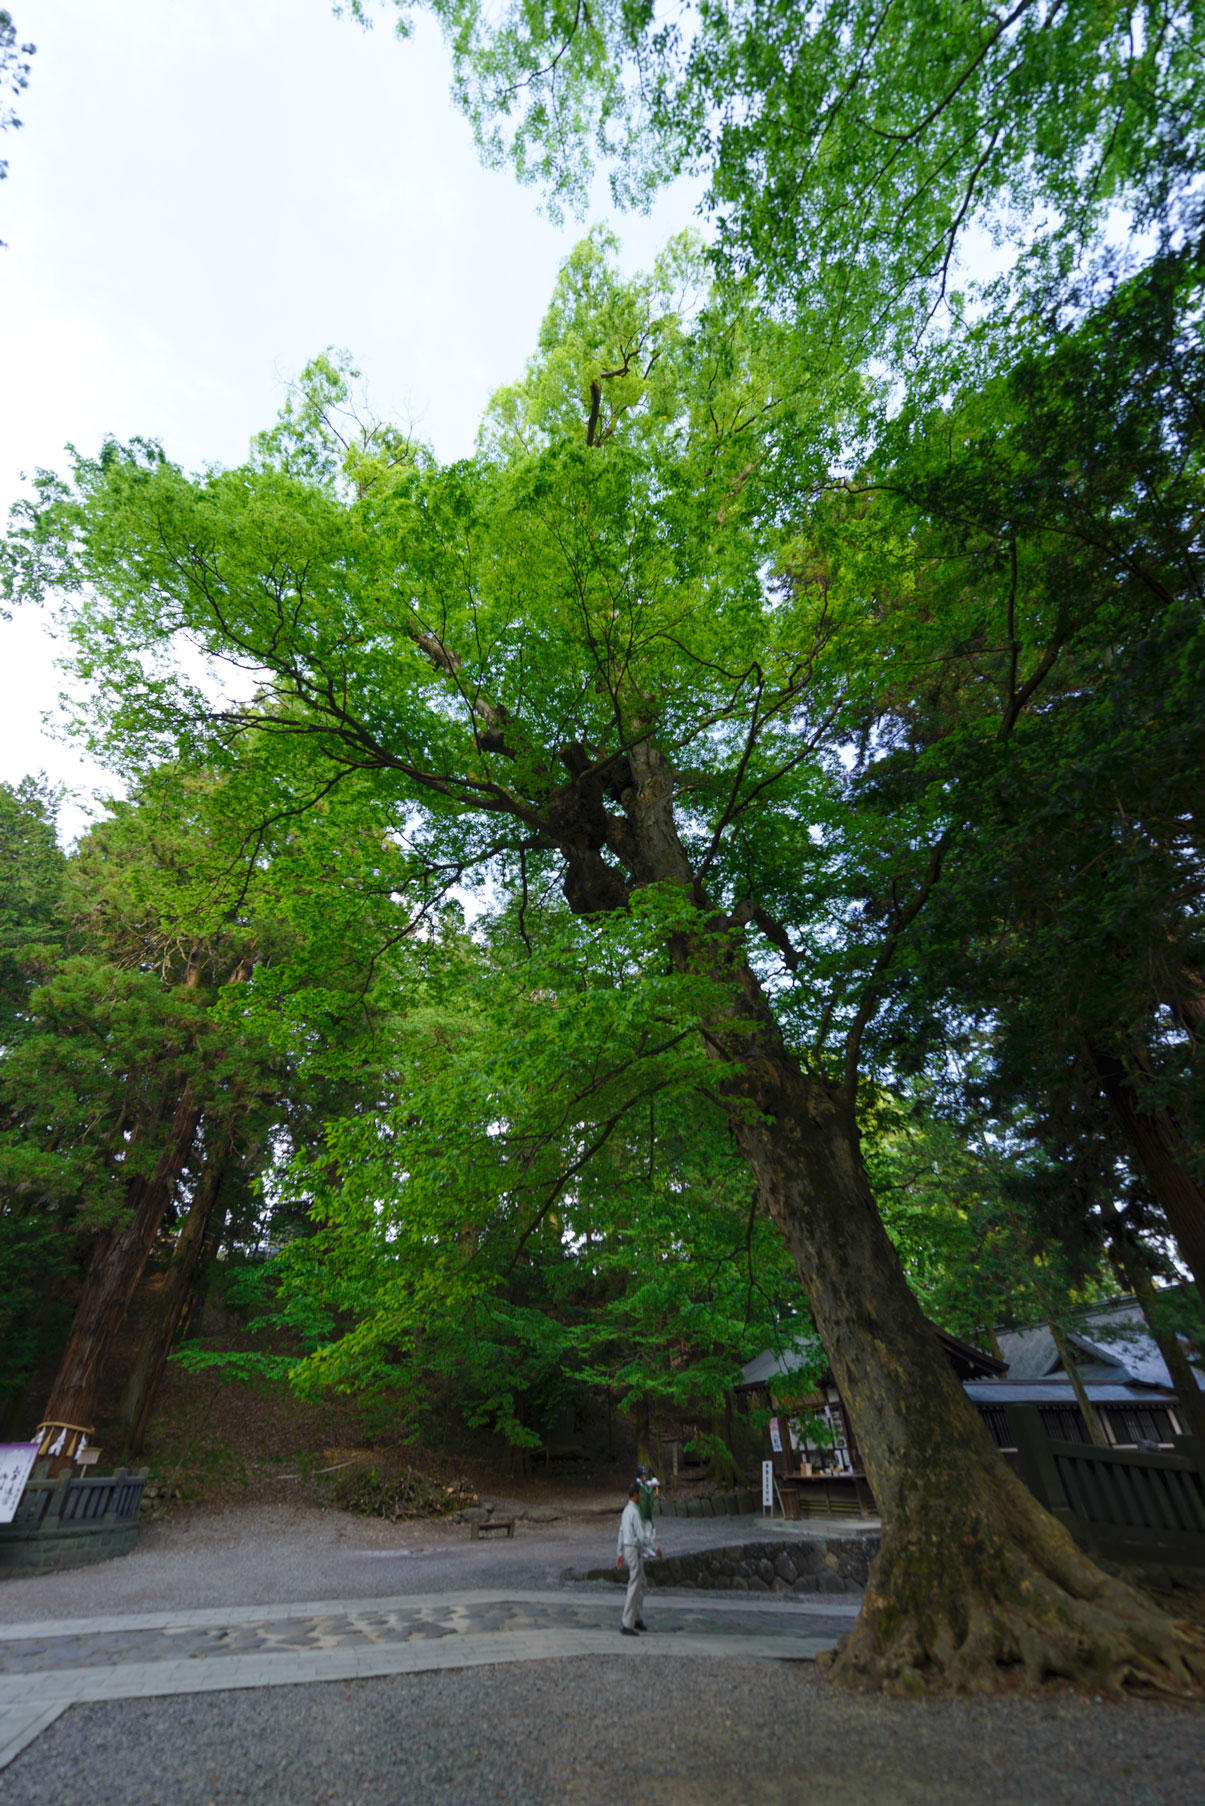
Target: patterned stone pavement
[355, 1628]
[44, 1668]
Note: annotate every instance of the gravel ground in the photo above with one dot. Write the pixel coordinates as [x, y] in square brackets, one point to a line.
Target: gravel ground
[272, 1555]
[687, 1733]
[682, 1732]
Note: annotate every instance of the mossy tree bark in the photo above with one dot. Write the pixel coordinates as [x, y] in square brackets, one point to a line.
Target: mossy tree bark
[976, 1585]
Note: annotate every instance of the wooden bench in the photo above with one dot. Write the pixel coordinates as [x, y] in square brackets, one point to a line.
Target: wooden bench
[507, 1524]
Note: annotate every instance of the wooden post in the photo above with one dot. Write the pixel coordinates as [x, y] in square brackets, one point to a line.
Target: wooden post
[1088, 1411]
[1037, 1464]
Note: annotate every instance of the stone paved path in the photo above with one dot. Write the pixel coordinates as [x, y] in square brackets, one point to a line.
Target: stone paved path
[46, 1667]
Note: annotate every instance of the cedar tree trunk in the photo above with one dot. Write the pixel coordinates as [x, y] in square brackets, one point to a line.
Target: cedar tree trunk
[174, 1294]
[1134, 1274]
[118, 1261]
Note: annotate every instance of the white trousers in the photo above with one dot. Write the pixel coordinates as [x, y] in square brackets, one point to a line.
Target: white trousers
[633, 1555]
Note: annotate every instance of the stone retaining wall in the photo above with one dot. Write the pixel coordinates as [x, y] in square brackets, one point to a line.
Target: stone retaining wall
[833, 1564]
[712, 1505]
[72, 1521]
[75, 1546]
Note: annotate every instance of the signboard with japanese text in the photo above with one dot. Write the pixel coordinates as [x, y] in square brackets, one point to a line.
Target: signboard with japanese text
[767, 1485]
[16, 1462]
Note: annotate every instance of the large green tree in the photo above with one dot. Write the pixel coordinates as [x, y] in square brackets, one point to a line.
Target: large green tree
[863, 163]
[210, 990]
[564, 662]
[852, 151]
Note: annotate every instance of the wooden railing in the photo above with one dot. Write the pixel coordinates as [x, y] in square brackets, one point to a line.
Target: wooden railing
[90, 1498]
[1131, 1504]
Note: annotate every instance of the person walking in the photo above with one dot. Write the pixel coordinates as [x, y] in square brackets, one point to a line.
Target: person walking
[634, 1542]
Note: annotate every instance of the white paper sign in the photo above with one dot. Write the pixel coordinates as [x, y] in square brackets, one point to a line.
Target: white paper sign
[767, 1485]
[16, 1461]
[775, 1436]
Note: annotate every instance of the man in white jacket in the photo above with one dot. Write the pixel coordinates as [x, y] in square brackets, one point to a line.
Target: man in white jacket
[635, 1540]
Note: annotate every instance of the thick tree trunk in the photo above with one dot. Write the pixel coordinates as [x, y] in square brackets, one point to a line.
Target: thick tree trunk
[975, 1581]
[120, 1256]
[118, 1261]
[1161, 1152]
[174, 1294]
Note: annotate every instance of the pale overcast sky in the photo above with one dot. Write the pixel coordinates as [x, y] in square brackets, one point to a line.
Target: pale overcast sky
[200, 199]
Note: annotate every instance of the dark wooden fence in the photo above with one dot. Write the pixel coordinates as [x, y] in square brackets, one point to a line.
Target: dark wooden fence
[63, 1523]
[82, 1499]
[1125, 1504]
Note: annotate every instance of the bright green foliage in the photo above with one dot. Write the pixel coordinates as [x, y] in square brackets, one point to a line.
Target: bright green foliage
[442, 649]
[548, 1204]
[124, 1023]
[853, 148]
[551, 593]
[199, 978]
[965, 1214]
[460, 667]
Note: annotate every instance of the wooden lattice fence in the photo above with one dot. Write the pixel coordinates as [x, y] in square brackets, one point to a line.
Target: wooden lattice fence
[1126, 1504]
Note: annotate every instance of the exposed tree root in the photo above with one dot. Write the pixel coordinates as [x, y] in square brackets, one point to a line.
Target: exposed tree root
[1004, 1599]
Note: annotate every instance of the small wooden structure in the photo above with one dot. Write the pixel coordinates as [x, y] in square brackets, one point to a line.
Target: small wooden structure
[485, 1525]
[1141, 1499]
[72, 1520]
[817, 1463]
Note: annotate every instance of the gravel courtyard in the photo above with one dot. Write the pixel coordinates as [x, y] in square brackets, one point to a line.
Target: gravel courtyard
[680, 1733]
[715, 1729]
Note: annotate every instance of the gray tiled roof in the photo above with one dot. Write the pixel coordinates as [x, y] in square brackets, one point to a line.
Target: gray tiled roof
[1059, 1392]
[1030, 1353]
[1112, 1337]
[803, 1351]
